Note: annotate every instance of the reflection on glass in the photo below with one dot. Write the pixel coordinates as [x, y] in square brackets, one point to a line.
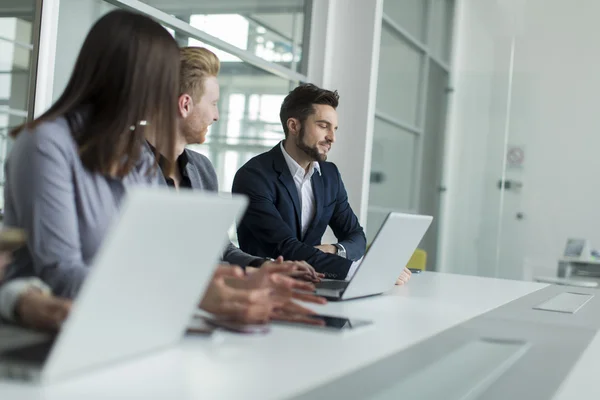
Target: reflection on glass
[75, 19]
[7, 123]
[408, 14]
[399, 77]
[391, 173]
[232, 158]
[15, 58]
[273, 32]
[440, 29]
[16, 49]
[249, 125]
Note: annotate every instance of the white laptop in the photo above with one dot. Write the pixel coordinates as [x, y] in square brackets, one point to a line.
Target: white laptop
[145, 284]
[389, 253]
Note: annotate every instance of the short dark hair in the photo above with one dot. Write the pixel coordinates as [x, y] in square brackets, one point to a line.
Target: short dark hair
[299, 103]
[127, 72]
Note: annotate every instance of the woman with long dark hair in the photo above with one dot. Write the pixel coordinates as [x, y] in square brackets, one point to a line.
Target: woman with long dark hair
[69, 169]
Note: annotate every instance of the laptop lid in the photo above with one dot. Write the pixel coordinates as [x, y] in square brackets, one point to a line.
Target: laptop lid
[147, 278]
[392, 248]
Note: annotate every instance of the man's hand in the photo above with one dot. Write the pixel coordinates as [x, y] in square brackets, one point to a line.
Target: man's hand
[404, 277]
[5, 259]
[246, 305]
[283, 290]
[327, 248]
[38, 310]
[290, 314]
[297, 269]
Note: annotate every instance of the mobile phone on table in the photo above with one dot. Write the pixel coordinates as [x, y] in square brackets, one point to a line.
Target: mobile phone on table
[234, 326]
[326, 322]
[199, 326]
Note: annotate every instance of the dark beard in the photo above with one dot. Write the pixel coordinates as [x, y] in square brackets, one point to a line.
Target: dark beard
[311, 152]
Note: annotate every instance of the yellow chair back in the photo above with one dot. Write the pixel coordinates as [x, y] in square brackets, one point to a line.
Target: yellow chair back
[418, 260]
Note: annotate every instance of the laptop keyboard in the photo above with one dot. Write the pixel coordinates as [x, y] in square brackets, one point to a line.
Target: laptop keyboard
[33, 354]
[332, 285]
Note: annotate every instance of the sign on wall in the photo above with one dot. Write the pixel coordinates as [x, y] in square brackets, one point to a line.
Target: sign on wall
[515, 157]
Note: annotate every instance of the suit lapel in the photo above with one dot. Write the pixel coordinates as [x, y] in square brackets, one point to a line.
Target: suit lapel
[195, 177]
[319, 193]
[289, 184]
[285, 177]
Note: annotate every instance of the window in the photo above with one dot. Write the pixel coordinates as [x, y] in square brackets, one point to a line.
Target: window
[273, 32]
[16, 60]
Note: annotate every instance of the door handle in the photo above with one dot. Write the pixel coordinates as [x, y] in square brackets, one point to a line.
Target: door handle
[520, 216]
[509, 185]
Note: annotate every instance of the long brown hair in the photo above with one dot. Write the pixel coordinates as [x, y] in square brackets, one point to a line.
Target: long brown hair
[125, 81]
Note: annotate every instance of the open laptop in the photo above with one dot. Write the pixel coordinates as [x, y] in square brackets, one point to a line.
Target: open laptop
[389, 253]
[143, 287]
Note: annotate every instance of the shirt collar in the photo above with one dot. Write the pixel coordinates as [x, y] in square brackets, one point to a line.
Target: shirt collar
[295, 168]
[182, 161]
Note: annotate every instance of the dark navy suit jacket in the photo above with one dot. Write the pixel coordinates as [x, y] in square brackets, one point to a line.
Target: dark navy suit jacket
[271, 226]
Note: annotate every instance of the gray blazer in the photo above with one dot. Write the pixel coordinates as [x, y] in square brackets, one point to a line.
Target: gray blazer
[203, 177]
[64, 208]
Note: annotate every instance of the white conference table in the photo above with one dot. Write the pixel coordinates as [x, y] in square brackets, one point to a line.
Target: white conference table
[289, 361]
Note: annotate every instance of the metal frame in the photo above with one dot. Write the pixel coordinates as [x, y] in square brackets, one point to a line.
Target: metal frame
[507, 127]
[15, 112]
[33, 63]
[414, 42]
[33, 67]
[398, 123]
[17, 43]
[174, 23]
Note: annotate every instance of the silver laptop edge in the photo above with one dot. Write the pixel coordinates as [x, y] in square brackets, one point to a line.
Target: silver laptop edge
[146, 279]
[390, 251]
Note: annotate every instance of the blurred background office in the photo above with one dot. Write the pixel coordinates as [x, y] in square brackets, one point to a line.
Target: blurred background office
[482, 113]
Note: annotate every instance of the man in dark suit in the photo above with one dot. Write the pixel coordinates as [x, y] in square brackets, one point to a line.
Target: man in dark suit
[295, 193]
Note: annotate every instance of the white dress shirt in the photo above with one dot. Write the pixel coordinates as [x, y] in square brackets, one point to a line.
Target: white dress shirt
[302, 180]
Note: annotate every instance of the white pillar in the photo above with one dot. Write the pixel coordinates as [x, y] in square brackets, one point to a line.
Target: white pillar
[344, 56]
[47, 54]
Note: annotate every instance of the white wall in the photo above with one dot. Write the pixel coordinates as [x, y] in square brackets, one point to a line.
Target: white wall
[547, 103]
[344, 56]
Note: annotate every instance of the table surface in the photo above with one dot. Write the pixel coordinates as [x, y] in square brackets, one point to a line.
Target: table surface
[289, 361]
[582, 381]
